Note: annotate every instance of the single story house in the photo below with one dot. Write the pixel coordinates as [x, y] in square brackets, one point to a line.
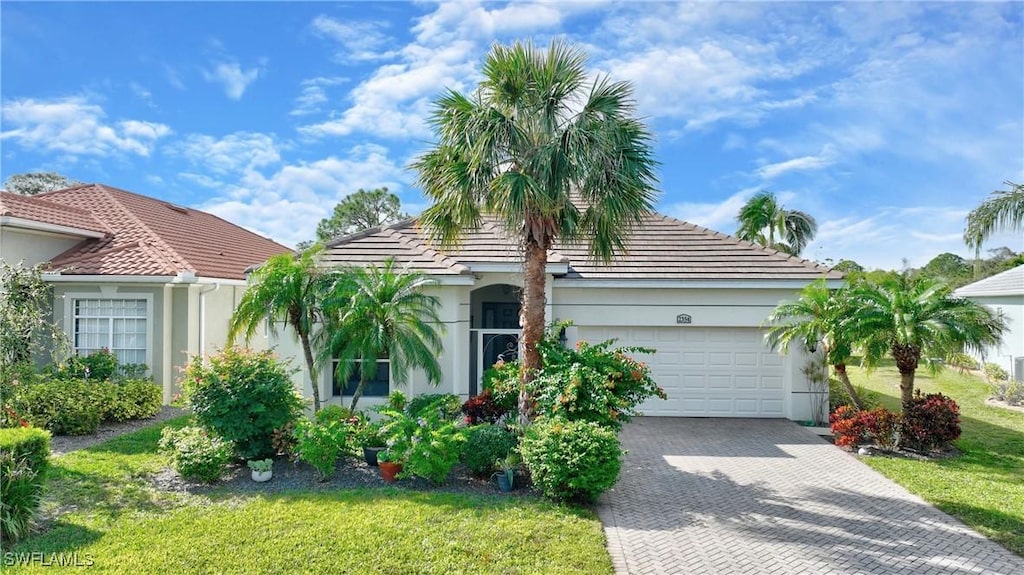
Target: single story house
[697, 296]
[1003, 293]
[153, 282]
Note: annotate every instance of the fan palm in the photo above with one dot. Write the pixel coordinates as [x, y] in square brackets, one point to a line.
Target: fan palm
[914, 317]
[547, 151]
[764, 221]
[818, 317]
[289, 289]
[1002, 211]
[381, 312]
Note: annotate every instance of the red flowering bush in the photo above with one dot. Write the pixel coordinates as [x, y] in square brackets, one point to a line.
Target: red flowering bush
[847, 427]
[883, 426]
[930, 421]
[483, 408]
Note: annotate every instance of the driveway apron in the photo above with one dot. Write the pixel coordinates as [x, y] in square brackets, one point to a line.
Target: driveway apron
[746, 496]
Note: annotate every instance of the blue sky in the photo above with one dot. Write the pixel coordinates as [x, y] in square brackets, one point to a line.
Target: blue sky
[886, 121]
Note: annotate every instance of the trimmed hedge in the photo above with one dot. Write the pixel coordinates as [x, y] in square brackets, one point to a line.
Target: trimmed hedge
[485, 445]
[24, 461]
[571, 460]
[78, 406]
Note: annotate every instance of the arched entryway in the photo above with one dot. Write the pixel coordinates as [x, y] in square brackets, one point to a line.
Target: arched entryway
[494, 329]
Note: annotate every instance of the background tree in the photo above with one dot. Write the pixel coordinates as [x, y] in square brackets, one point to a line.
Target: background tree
[948, 268]
[288, 288]
[32, 183]
[381, 312]
[25, 304]
[819, 317]
[911, 317]
[763, 220]
[361, 211]
[848, 266]
[547, 151]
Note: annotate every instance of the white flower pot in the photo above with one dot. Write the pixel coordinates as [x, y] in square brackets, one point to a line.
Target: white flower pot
[261, 476]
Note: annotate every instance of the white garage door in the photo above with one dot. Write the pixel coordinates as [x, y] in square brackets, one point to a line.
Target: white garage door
[711, 372]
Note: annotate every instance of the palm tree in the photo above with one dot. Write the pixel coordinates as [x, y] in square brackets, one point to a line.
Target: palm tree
[914, 317]
[764, 221]
[1002, 211]
[818, 318]
[289, 289]
[381, 312]
[548, 152]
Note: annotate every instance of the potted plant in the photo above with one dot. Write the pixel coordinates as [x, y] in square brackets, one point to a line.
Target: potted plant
[506, 473]
[372, 442]
[262, 469]
[390, 465]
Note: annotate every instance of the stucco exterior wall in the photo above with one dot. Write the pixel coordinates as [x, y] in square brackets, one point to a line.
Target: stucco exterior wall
[585, 307]
[31, 248]
[1012, 308]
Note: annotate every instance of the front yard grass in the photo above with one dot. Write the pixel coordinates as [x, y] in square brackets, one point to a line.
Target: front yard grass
[113, 515]
[984, 487]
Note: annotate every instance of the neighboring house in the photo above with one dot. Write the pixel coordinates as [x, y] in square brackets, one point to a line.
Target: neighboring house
[1003, 293]
[699, 297]
[151, 281]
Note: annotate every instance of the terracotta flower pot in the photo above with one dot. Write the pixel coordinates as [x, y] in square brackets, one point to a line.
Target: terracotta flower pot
[389, 469]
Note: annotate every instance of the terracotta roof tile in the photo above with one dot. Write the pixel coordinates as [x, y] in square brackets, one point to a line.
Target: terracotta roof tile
[39, 210]
[152, 237]
[660, 248]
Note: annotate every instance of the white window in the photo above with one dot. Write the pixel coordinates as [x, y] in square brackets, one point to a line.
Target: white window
[120, 325]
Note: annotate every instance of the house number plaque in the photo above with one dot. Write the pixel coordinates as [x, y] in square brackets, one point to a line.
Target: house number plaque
[684, 318]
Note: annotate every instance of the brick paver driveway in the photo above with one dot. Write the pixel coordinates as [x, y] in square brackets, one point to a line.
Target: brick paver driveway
[746, 496]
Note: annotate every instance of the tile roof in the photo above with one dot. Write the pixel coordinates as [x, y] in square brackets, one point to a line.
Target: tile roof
[661, 248]
[38, 210]
[1009, 282]
[152, 237]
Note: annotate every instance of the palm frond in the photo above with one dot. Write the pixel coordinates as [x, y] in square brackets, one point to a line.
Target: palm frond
[1003, 210]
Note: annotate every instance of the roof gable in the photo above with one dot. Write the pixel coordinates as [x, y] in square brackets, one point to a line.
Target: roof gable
[661, 248]
[149, 236]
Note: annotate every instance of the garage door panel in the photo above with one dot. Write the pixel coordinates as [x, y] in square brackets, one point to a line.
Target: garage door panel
[716, 372]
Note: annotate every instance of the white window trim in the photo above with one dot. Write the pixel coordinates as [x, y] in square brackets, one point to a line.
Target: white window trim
[334, 364]
[106, 293]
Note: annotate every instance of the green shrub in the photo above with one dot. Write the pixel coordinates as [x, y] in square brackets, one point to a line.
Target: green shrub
[99, 365]
[334, 413]
[195, 453]
[64, 407]
[1011, 392]
[930, 421]
[242, 396]
[485, 445]
[320, 444]
[447, 405]
[571, 460]
[428, 446]
[24, 461]
[962, 361]
[994, 372]
[134, 399]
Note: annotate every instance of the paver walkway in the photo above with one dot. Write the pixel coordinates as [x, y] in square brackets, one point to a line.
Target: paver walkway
[745, 496]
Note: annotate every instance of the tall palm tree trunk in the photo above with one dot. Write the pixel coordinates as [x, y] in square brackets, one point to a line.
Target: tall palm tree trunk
[851, 391]
[307, 351]
[532, 320]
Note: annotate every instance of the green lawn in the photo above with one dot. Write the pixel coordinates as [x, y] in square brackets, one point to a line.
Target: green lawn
[985, 486]
[114, 518]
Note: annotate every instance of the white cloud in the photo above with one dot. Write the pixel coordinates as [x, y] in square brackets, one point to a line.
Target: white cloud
[232, 77]
[801, 164]
[359, 40]
[718, 216]
[472, 20]
[287, 204]
[142, 93]
[395, 100]
[314, 95]
[235, 152]
[76, 126]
